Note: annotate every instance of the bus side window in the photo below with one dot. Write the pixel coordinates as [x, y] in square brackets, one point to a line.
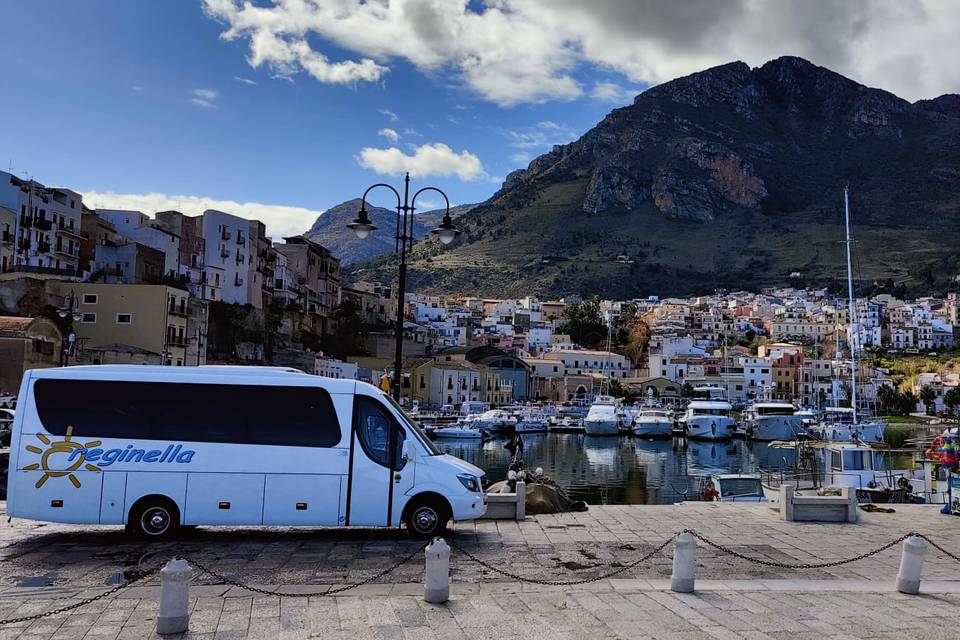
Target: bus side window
[374, 426]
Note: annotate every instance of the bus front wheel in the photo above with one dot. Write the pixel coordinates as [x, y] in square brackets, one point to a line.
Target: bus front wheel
[427, 517]
[154, 518]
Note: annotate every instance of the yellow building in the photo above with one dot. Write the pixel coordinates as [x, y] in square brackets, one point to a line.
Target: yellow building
[146, 316]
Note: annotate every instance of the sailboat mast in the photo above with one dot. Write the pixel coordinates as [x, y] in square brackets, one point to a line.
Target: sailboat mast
[850, 309]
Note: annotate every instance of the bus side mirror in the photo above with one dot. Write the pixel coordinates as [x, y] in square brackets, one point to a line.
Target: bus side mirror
[408, 452]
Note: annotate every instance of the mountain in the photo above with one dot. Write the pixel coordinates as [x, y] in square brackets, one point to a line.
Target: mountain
[732, 177]
[330, 229]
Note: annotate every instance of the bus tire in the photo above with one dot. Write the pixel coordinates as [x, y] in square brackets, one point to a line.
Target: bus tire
[154, 518]
[426, 516]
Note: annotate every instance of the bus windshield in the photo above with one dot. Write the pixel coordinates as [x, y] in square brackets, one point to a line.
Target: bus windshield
[410, 424]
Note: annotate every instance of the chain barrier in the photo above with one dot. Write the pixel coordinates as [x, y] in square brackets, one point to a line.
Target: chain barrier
[561, 583]
[141, 574]
[136, 577]
[329, 592]
[807, 565]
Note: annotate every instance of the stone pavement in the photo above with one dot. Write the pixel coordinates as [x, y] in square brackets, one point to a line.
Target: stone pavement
[46, 566]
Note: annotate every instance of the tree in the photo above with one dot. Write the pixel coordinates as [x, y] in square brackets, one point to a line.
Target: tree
[584, 324]
[927, 396]
[686, 391]
[349, 333]
[951, 399]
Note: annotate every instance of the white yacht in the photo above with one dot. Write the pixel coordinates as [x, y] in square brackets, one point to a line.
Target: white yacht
[841, 423]
[709, 420]
[773, 421]
[493, 421]
[460, 431]
[653, 422]
[531, 421]
[604, 417]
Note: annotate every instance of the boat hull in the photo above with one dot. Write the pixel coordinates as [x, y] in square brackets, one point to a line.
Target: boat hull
[868, 431]
[601, 427]
[653, 429]
[769, 428]
[714, 428]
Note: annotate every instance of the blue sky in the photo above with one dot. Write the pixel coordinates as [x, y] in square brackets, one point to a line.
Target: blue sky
[279, 111]
[103, 101]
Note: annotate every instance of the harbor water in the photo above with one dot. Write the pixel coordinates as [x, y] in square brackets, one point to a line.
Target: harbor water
[624, 470]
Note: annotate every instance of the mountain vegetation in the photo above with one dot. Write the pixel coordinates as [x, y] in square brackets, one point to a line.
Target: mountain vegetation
[728, 178]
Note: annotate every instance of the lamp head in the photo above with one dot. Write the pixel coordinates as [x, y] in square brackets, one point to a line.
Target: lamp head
[446, 231]
[361, 225]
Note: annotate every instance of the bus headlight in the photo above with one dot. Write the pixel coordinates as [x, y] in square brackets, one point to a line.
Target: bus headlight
[470, 482]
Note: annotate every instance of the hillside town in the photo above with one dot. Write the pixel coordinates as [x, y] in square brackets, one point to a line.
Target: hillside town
[100, 286]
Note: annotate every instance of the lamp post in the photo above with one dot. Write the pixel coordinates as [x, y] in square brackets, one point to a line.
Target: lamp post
[71, 313]
[362, 226]
[446, 232]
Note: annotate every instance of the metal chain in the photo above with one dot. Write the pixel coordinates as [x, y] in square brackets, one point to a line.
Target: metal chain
[76, 605]
[236, 583]
[937, 546]
[785, 565]
[561, 583]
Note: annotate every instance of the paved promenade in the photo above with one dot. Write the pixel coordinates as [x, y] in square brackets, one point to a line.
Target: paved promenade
[46, 566]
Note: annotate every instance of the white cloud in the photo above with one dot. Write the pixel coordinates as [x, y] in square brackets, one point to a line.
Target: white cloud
[613, 93]
[521, 157]
[390, 115]
[412, 132]
[205, 98]
[435, 159]
[514, 51]
[389, 133]
[281, 220]
[244, 80]
[543, 135]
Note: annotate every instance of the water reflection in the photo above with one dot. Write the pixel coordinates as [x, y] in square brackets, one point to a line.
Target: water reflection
[614, 470]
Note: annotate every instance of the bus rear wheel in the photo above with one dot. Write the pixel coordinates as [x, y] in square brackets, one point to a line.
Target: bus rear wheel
[154, 519]
[427, 518]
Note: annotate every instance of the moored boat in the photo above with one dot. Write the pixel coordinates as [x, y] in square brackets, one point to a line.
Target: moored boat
[603, 419]
[653, 422]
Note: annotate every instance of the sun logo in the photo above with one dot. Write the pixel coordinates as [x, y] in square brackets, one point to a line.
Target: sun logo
[66, 446]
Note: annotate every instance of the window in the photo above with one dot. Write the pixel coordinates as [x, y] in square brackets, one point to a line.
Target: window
[375, 426]
[124, 318]
[88, 318]
[189, 412]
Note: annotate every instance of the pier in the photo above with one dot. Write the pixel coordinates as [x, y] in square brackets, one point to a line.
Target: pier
[43, 567]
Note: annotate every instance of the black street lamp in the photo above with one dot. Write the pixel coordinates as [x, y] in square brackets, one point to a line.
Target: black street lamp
[446, 232]
[362, 226]
[71, 313]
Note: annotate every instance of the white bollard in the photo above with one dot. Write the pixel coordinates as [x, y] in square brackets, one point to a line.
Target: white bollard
[684, 563]
[437, 587]
[521, 500]
[174, 614]
[911, 565]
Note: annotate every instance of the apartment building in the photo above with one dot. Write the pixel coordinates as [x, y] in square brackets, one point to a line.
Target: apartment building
[46, 226]
[137, 226]
[317, 271]
[226, 256]
[8, 225]
[149, 317]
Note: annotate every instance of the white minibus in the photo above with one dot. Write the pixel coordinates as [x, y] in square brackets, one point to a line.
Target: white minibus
[156, 448]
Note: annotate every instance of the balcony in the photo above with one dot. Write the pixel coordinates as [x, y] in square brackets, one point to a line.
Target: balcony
[43, 224]
[225, 234]
[241, 241]
[177, 341]
[178, 310]
[224, 253]
[238, 281]
[43, 247]
[26, 220]
[69, 230]
[23, 244]
[67, 251]
[6, 238]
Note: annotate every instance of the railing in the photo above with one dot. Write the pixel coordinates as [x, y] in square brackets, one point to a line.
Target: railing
[73, 253]
[22, 268]
[224, 253]
[23, 244]
[177, 341]
[241, 241]
[43, 247]
[180, 310]
[238, 281]
[26, 220]
[43, 224]
[225, 234]
[69, 230]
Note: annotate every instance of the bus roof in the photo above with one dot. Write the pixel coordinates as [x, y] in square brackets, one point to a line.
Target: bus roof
[238, 374]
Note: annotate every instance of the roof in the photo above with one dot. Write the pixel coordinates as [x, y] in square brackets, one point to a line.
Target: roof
[14, 324]
[118, 347]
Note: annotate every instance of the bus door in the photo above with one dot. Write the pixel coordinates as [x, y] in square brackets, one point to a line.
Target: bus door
[371, 477]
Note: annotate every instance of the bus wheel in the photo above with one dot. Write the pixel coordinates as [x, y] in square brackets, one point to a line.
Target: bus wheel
[426, 518]
[155, 518]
